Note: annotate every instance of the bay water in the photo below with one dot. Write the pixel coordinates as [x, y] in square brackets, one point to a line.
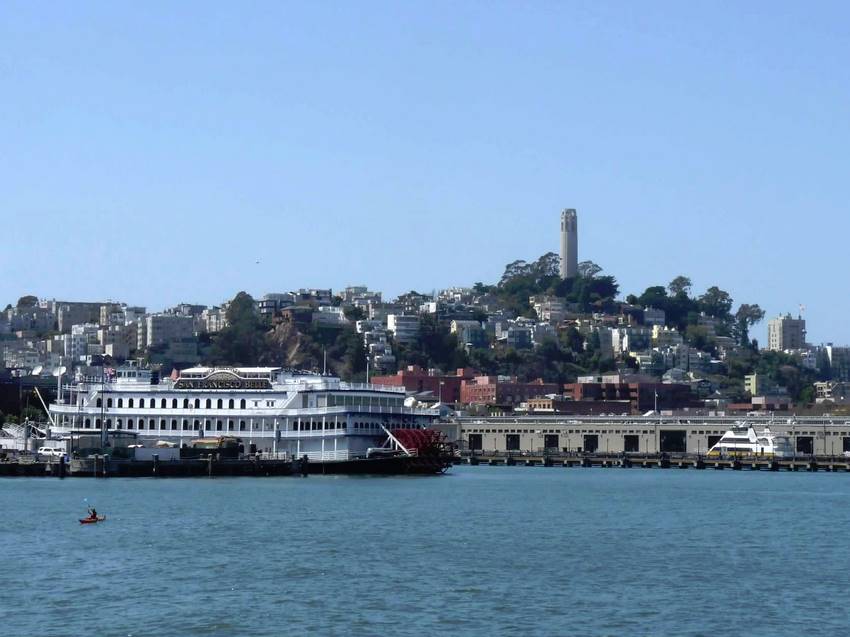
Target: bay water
[478, 551]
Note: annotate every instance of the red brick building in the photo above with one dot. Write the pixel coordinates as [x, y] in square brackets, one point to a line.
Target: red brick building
[500, 390]
[641, 396]
[415, 379]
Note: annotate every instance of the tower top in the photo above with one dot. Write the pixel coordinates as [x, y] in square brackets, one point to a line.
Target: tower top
[568, 212]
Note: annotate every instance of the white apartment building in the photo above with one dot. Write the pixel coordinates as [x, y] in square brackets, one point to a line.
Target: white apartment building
[405, 329]
[785, 332]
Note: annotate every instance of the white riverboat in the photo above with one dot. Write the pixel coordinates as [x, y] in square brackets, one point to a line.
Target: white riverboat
[272, 410]
[743, 440]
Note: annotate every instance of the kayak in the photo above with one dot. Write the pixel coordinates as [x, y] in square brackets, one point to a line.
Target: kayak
[99, 518]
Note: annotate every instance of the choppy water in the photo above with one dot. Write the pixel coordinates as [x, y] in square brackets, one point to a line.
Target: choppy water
[482, 551]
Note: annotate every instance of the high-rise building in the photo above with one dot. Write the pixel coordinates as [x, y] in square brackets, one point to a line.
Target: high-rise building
[785, 332]
[569, 243]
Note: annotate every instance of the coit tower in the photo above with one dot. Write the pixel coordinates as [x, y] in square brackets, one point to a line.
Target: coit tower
[569, 243]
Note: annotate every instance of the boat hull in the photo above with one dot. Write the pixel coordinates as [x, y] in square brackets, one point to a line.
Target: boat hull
[397, 465]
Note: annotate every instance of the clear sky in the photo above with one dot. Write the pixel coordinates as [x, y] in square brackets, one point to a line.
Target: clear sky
[164, 152]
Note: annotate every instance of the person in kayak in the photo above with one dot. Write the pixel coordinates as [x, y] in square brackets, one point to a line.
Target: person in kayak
[92, 513]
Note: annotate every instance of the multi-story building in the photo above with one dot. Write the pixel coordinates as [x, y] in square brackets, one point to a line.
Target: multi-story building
[654, 317]
[69, 313]
[550, 309]
[405, 329]
[666, 337]
[785, 332]
[503, 390]
[158, 329]
[330, 316]
[839, 362]
[213, 320]
[443, 387]
[469, 333]
[83, 342]
[274, 302]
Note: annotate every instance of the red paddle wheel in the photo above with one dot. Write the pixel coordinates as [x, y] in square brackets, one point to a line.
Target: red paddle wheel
[422, 442]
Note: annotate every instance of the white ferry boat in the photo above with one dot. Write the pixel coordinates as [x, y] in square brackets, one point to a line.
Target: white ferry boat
[743, 440]
[272, 410]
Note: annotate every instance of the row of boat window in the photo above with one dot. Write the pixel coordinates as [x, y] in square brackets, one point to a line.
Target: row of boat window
[230, 425]
[163, 404]
[184, 425]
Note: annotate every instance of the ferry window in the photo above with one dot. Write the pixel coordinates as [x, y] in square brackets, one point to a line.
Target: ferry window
[197, 425]
[120, 403]
[174, 425]
[229, 425]
[130, 424]
[197, 403]
[230, 404]
[129, 402]
[88, 423]
[97, 423]
[108, 402]
[118, 425]
[218, 426]
[242, 404]
[99, 402]
[242, 425]
[141, 403]
[219, 404]
[209, 403]
[207, 425]
[162, 403]
[269, 403]
[185, 425]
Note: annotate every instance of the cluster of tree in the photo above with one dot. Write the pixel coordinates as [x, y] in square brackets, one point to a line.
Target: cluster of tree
[587, 291]
[682, 310]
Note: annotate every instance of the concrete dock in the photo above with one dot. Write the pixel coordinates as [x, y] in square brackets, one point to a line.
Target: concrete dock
[659, 461]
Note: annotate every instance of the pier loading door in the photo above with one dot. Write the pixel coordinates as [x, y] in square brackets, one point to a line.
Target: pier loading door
[713, 440]
[845, 443]
[591, 443]
[631, 443]
[475, 442]
[805, 445]
[673, 441]
[550, 441]
[512, 442]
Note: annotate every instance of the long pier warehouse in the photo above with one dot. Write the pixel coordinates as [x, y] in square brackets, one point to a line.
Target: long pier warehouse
[820, 436]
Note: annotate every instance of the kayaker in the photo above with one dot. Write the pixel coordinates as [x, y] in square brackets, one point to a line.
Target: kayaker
[92, 513]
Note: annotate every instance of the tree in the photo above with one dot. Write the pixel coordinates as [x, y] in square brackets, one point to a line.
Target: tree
[715, 302]
[28, 301]
[588, 269]
[680, 285]
[655, 296]
[353, 313]
[745, 317]
[242, 342]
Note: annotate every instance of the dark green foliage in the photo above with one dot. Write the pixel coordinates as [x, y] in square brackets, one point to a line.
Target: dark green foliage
[354, 313]
[745, 317]
[28, 301]
[242, 342]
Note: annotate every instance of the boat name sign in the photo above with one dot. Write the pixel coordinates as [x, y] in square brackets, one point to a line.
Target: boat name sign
[222, 381]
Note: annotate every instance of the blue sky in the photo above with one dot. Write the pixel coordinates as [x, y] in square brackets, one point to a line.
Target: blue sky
[172, 152]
